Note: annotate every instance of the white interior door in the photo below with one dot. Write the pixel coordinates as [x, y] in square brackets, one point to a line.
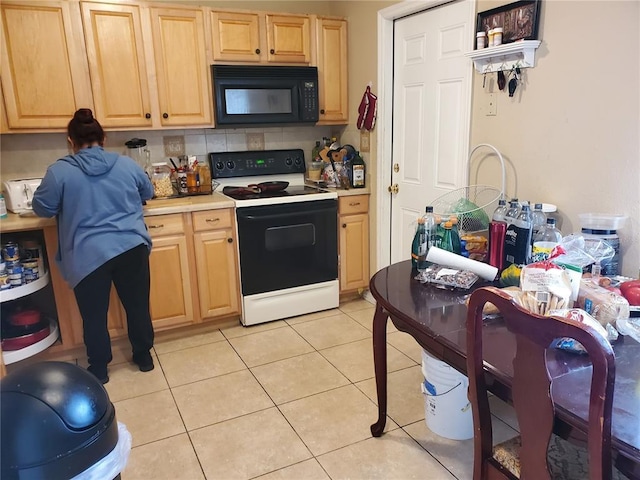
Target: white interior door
[431, 113]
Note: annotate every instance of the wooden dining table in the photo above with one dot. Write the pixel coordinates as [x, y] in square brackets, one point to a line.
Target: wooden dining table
[436, 319]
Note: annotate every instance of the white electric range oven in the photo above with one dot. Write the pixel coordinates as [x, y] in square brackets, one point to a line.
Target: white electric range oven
[287, 234]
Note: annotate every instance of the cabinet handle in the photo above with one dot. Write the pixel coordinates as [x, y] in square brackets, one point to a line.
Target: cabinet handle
[147, 116]
[230, 240]
[322, 111]
[212, 220]
[272, 51]
[258, 51]
[353, 204]
[344, 225]
[157, 226]
[165, 115]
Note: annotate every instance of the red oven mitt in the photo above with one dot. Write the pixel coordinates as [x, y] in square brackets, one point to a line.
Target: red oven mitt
[367, 110]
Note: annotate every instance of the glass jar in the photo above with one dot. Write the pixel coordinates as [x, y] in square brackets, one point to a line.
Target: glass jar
[161, 180]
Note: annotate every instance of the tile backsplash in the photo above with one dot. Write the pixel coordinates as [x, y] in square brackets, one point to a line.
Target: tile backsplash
[29, 155]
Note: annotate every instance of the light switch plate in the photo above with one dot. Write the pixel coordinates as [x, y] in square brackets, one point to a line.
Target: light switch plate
[173, 145]
[255, 141]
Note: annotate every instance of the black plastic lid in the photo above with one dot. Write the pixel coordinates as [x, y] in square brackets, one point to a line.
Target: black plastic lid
[551, 221]
[136, 143]
[429, 209]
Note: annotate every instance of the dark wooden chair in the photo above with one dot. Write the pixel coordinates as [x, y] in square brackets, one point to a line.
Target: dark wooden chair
[536, 452]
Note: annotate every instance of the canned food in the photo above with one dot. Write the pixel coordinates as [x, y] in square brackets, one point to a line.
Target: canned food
[4, 281]
[15, 275]
[31, 250]
[10, 252]
[30, 271]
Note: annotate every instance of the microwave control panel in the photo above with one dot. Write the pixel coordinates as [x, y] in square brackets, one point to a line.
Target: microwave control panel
[309, 101]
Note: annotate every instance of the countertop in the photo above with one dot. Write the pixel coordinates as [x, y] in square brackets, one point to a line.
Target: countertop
[16, 223]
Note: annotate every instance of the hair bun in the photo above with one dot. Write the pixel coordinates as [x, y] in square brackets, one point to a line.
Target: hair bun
[84, 115]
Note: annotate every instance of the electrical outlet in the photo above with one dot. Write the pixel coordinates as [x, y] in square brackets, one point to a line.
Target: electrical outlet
[492, 105]
[173, 146]
[255, 141]
[364, 140]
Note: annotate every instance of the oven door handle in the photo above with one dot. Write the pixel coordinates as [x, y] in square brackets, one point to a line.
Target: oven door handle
[277, 215]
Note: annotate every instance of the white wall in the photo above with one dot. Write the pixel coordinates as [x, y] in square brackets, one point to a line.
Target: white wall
[571, 133]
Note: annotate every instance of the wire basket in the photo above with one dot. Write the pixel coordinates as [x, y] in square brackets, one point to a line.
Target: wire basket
[473, 205]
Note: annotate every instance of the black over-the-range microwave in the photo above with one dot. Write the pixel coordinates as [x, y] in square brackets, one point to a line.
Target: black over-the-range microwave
[257, 95]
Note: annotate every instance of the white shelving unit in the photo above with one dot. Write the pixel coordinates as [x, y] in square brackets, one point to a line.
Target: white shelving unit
[24, 290]
[12, 356]
[505, 57]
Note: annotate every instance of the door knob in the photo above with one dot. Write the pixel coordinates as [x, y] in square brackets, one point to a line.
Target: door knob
[393, 188]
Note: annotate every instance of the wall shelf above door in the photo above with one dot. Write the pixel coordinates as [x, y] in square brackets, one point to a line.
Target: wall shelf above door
[505, 57]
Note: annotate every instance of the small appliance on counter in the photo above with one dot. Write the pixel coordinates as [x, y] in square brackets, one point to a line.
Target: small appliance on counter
[19, 193]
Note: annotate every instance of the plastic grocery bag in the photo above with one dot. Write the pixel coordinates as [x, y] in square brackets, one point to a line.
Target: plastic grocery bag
[581, 254]
[112, 464]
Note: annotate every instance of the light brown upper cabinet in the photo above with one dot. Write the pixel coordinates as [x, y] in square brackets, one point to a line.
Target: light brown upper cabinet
[257, 37]
[181, 66]
[119, 74]
[236, 36]
[128, 46]
[332, 71]
[288, 38]
[44, 70]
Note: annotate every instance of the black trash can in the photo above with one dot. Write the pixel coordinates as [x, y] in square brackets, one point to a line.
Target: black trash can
[56, 421]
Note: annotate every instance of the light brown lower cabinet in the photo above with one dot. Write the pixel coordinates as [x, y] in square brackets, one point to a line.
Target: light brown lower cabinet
[215, 255]
[170, 301]
[353, 238]
[194, 277]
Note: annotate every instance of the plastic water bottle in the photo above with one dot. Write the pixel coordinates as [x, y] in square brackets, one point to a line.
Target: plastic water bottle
[430, 227]
[455, 235]
[517, 243]
[538, 219]
[500, 212]
[513, 211]
[549, 233]
[447, 238]
[545, 240]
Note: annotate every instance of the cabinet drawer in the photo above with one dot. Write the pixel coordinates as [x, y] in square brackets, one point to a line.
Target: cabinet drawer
[353, 204]
[165, 224]
[211, 219]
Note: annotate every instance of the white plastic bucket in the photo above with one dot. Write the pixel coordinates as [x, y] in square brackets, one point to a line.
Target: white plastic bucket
[446, 406]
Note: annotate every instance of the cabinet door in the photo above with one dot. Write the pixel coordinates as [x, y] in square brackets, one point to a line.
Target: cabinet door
[354, 252]
[119, 77]
[236, 36]
[44, 77]
[170, 298]
[332, 71]
[217, 273]
[181, 66]
[288, 39]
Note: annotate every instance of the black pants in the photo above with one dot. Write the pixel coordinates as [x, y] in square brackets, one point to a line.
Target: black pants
[129, 272]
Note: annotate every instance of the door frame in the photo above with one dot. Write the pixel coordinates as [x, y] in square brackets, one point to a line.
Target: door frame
[386, 18]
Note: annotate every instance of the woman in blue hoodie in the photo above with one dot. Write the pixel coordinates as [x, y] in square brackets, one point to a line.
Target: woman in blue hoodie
[96, 197]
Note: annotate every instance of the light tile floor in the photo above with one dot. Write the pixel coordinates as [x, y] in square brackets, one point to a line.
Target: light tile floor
[292, 399]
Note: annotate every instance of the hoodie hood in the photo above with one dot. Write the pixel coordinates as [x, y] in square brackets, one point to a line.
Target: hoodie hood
[93, 161]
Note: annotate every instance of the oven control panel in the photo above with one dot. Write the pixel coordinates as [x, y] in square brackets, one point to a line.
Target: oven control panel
[256, 162]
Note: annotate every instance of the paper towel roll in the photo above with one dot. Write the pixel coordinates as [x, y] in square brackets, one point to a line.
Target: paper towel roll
[449, 259]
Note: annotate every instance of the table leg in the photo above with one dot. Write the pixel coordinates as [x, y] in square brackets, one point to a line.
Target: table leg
[380, 363]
